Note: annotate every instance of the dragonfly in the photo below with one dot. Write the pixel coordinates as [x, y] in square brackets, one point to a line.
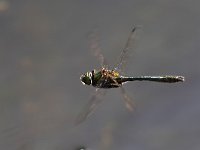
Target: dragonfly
[106, 78]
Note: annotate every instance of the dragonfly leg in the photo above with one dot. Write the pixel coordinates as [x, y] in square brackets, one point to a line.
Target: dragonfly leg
[114, 82]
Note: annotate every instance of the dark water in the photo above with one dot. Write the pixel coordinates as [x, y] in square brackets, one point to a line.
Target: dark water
[44, 49]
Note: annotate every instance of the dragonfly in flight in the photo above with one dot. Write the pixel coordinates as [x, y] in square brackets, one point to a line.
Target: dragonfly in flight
[106, 78]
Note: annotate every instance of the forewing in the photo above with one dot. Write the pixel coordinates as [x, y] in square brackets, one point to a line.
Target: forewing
[93, 103]
[95, 48]
[125, 54]
[128, 101]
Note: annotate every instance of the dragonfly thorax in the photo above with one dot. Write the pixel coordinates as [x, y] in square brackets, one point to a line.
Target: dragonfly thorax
[102, 78]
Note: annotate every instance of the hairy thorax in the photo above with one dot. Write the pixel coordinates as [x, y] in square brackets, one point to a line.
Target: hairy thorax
[106, 79]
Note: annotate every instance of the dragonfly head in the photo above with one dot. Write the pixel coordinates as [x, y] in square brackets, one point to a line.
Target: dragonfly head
[86, 78]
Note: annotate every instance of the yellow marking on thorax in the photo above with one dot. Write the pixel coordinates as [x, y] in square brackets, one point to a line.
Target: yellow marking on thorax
[115, 74]
[110, 73]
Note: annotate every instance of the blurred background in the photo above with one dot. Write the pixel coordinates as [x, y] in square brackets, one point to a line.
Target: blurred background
[44, 49]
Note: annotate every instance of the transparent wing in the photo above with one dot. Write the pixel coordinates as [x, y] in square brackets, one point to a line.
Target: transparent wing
[95, 48]
[125, 54]
[93, 103]
[128, 101]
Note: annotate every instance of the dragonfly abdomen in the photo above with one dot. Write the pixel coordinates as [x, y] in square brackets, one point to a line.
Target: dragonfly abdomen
[167, 79]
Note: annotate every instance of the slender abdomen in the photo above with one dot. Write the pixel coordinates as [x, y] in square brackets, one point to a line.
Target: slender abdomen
[167, 79]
